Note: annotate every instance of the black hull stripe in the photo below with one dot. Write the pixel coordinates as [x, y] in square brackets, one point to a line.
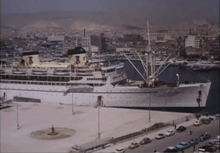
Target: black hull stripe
[172, 109]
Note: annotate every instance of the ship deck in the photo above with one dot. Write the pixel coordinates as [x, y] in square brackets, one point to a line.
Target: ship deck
[33, 117]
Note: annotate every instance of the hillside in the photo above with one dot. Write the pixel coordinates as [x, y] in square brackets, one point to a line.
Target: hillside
[90, 20]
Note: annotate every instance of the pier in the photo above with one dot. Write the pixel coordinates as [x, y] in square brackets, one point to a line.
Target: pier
[114, 122]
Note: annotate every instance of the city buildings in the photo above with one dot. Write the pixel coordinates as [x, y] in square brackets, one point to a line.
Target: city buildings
[160, 37]
[215, 49]
[94, 43]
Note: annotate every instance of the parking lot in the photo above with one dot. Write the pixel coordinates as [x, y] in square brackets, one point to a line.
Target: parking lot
[162, 144]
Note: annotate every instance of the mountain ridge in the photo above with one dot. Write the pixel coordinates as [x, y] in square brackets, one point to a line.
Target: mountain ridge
[70, 19]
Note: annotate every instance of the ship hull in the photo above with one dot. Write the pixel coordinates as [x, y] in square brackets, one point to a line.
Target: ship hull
[119, 96]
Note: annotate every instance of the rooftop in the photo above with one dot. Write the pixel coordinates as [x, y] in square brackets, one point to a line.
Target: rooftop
[55, 38]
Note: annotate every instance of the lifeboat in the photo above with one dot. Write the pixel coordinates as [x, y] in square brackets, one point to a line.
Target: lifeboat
[85, 69]
[18, 71]
[39, 72]
[62, 69]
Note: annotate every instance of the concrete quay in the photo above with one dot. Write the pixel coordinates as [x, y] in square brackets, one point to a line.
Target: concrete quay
[114, 122]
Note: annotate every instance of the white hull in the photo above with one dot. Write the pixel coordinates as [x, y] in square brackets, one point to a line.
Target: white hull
[120, 96]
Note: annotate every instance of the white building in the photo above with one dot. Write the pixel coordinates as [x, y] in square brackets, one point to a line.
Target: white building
[158, 37]
[124, 49]
[86, 43]
[192, 41]
[94, 49]
[55, 38]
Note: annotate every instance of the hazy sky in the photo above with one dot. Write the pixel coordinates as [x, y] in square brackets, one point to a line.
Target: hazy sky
[207, 8]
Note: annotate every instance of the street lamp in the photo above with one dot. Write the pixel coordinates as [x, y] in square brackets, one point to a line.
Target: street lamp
[99, 134]
[73, 110]
[99, 105]
[18, 127]
[149, 106]
[72, 105]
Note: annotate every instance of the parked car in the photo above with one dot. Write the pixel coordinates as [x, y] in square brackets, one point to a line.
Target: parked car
[211, 118]
[207, 148]
[145, 141]
[183, 145]
[133, 145]
[197, 123]
[169, 133]
[205, 121]
[194, 141]
[160, 136]
[119, 150]
[215, 143]
[205, 136]
[170, 149]
[181, 129]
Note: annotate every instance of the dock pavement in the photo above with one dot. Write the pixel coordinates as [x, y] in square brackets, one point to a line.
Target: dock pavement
[114, 122]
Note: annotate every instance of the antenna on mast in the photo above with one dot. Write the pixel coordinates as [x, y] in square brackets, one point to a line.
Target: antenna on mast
[148, 35]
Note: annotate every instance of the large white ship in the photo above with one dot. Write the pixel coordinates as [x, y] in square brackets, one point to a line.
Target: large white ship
[83, 83]
[79, 82]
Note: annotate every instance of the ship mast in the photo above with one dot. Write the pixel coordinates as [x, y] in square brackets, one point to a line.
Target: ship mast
[149, 48]
[150, 60]
[151, 53]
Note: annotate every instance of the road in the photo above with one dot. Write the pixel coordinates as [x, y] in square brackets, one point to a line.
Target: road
[161, 145]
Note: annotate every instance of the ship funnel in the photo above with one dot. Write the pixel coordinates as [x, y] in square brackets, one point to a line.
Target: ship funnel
[78, 57]
[177, 80]
[29, 58]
